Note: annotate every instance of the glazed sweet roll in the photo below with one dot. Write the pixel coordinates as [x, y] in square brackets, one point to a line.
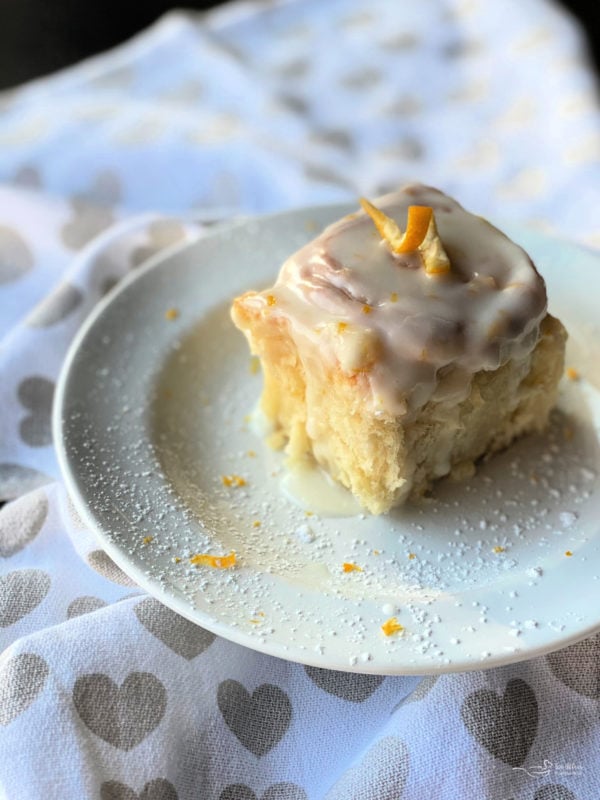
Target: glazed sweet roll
[405, 342]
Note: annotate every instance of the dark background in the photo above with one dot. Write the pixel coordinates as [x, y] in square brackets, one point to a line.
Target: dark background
[40, 36]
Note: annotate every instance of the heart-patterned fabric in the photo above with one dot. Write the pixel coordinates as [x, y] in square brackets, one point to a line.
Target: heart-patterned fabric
[259, 106]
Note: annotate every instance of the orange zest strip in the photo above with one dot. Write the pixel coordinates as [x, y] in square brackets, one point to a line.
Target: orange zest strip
[421, 234]
[432, 250]
[417, 224]
[391, 626]
[216, 562]
[386, 227]
[348, 567]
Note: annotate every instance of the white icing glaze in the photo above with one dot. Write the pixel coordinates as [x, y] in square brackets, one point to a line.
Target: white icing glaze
[415, 336]
[310, 487]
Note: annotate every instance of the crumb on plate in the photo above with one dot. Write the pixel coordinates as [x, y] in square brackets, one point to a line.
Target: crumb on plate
[391, 626]
[216, 562]
[233, 480]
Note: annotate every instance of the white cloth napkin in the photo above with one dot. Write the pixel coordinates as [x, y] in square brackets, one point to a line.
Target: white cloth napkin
[104, 693]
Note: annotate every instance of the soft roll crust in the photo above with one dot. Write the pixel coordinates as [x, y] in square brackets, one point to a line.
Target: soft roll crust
[319, 411]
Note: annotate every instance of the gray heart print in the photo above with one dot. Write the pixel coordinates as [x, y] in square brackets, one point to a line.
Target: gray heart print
[237, 791]
[319, 174]
[36, 395]
[361, 79]
[505, 725]
[421, 690]
[578, 666]
[55, 307]
[73, 515]
[332, 137]
[161, 234]
[16, 480]
[84, 605]
[21, 591]
[554, 791]
[114, 77]
[179, 634]
[16, 258]
[27, 176]
[86, 223]
[91, 212]
[158, 789]
[425, 686]
[277, 791]
[105, 566]
[121, 715]
[21, 521]
[346, 685]
[259, 720]
[380, 775]
[22, 678]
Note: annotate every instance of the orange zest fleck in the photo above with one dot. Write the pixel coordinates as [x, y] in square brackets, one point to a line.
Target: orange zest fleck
[391, 626]
[216, 562]
[417, 224]
[568, 553]
[499, 549]
[394, 297]
[271, 300]
[572, 374]
[147, 539]
[341, 327]
[256, 523]
[251, 454]
[347, 566]
[171, 314]
[233, 480]
[177, 560]
[254, 365]
[411, 556]
[366, 309]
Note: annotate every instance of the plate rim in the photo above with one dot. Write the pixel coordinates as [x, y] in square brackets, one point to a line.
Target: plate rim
[153, 587]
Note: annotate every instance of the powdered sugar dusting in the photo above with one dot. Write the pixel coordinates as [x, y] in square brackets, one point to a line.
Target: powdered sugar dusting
[474, 574]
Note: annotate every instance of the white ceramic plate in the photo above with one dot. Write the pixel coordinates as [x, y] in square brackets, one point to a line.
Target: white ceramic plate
[150, 413]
